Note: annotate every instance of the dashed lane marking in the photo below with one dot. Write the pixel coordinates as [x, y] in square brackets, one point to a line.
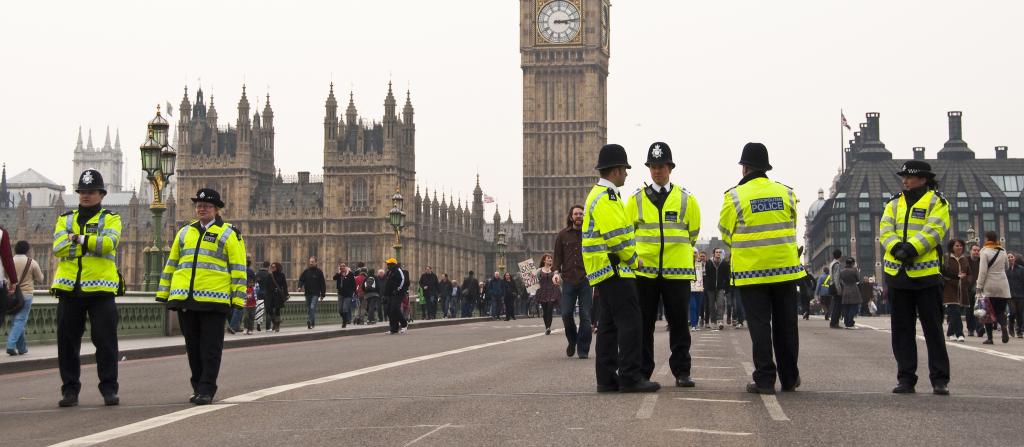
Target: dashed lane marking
[769, 400]
[713, 367]
[162, 420]
[728, 401]
[428, 434]
[991, 352]
[647, 406]
[706, 358]
[713, 380]
[710, 432]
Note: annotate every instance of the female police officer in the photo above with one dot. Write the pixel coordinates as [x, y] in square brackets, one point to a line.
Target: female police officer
[204, 278]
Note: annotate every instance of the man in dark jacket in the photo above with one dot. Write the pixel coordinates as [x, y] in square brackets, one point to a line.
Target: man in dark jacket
[973, 327]
[396, 284]
[313, 283]
[495, 291]
[716, 288]
[428, 282]
[444, 294]
[266, 292]
[470, 294]
[345, 282]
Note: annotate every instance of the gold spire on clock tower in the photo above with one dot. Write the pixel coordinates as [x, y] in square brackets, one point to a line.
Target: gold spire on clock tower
[565, 47]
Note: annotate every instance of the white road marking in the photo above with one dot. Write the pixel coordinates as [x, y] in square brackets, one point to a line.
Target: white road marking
[647, 406]
[706, 358]
[664, 370]
[713, 380]
[710, 432]
[769, 400]
[714, 367]
[428, 434]
[991, 352]
[729, 401]
[162, 420]
[141, 426]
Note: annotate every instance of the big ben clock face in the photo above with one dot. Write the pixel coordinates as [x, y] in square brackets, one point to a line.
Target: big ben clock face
[558, 21]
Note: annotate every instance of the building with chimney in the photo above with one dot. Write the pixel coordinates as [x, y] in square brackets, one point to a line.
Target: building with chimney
[984, 194]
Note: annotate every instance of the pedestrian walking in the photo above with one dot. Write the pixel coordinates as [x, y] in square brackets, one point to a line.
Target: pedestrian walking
[716, 286]
[610, 259]
[570, 275]
[510, 294]
[548, 294]
[8, 275]
[697, 290]
[85, 242]
[280, 285]
[470, 292]
[204, 278]
[807, 288]
[832, 282]
[495, 293]
[444, 294]
[455, 300]
[429, 283]
[849, 289]
[371, 292]
[266, 294]
[396, 286]
[249, 313]
[666, 220]
[913, 225]
[345, 283]
[824, 300]
[314, 286]
[993, 284]
[28, 275]
[956, 274]
[1015, 276]
[758, 222]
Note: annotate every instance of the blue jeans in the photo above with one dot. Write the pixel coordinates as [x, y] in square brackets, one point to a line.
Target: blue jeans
[850, 311]
[236, 319]
[573, 294]
[694, 307]
[16, 339]
[345, 309]
[311, 300]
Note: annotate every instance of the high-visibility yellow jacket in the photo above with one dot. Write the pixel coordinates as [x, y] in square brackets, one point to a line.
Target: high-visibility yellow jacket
[664, 238]
[206, 269]
[90, 268]
[923, 224]
[758, 221]
[606, 230]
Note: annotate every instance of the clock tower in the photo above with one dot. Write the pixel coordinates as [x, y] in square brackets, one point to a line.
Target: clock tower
[565, 47]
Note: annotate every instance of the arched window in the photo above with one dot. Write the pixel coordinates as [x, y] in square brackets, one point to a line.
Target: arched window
[360, 194]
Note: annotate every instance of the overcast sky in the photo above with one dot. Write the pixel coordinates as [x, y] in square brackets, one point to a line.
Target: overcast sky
[705, 77]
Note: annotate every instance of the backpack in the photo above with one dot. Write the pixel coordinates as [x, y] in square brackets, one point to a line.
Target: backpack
[370, 285]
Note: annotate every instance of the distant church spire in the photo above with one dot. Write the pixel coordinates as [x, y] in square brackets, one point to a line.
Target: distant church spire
[117, 140]
[106, 142]
[78, 147]
[89, 146]
[5, 199]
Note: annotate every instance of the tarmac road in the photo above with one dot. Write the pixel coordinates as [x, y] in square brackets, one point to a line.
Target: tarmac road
[498, 383]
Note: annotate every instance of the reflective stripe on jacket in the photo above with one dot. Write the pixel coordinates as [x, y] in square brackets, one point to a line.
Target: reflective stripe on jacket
[606, 230]
[758, 221]
[206, 266]
[923, 224]
[91, 268]
[664, 238]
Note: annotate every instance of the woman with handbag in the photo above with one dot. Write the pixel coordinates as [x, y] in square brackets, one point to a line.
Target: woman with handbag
[992, 282]
[280, 295]
[28, 275]
[956, 276]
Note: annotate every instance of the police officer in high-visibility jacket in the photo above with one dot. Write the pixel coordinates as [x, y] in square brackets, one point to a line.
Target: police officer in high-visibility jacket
[609, 258]
[666, 221]
[913, 226]
[758, 220]
[204, 278]
[85, 244]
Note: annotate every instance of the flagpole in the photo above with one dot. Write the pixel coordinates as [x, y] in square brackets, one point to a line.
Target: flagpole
[842, 136]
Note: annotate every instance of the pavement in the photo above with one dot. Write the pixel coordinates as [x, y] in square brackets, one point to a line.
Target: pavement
[506, 383]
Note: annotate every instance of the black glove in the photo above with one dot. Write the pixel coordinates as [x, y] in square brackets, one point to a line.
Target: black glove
[904, 251]
[613, 258]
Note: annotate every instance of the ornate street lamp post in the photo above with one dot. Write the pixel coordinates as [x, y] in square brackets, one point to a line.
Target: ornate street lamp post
[972, 235]
[158, 160]
[397, 219]
[502, 246]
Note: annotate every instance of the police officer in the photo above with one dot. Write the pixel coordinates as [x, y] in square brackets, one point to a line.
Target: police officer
[666, 221]
[912, 228]
[609, 258]
[758, 220]
[85, 243]
[204, 278]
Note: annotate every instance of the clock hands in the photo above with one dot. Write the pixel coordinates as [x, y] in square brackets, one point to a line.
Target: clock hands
[565, 21]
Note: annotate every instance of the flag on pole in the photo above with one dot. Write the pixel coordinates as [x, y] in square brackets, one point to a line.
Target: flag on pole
[844, 123]
[488, 199]
[170, 109]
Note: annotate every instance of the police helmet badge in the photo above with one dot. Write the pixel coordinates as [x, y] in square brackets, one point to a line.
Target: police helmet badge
[656, 152]
[202, 194]
[87, 177]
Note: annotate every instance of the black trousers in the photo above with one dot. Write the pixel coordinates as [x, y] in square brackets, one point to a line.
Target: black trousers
[771, 319]
[836, 311]
[510, 308]
[675, 294]
[431, 307]
[999, 306]
[908, 306]
[618, 350]
[396, 319]
[102, 312]
[547, 309]
[204, 344]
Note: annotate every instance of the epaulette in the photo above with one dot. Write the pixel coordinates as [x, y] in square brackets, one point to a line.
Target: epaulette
[787, 186]
[112, 213]
[611, 194]
[895, 197]
[641, 188]
[730, 189]
[238, 232]
[941, 197]
[68, 213]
